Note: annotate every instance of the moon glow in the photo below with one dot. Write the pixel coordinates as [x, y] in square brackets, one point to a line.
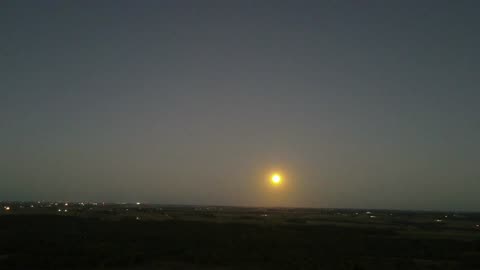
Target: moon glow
[276, 179]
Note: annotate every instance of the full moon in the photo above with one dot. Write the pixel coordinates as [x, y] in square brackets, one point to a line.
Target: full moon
[276, 179]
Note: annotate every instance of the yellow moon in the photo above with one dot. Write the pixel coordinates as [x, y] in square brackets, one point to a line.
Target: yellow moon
[276, 179]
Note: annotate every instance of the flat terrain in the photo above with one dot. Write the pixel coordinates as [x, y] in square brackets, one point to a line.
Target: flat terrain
[43, 235]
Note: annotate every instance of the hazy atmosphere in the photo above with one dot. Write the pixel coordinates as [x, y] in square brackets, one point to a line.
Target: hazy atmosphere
[358, 104]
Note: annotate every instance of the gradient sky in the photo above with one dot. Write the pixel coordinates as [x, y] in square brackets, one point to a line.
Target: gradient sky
[362, 104]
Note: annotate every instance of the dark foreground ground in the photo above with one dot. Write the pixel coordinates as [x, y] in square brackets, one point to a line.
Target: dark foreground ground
[44, 236]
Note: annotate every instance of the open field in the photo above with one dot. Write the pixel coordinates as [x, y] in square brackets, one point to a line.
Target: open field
[42, 235]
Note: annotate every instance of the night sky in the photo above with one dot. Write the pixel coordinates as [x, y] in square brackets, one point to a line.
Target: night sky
[360, 104]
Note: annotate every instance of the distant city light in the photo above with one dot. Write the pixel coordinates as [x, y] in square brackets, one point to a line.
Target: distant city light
[438, 220]
[138, 203]
[7, 208]
[66, 204]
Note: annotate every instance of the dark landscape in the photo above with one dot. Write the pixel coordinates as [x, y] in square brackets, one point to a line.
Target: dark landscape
[41, 235]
